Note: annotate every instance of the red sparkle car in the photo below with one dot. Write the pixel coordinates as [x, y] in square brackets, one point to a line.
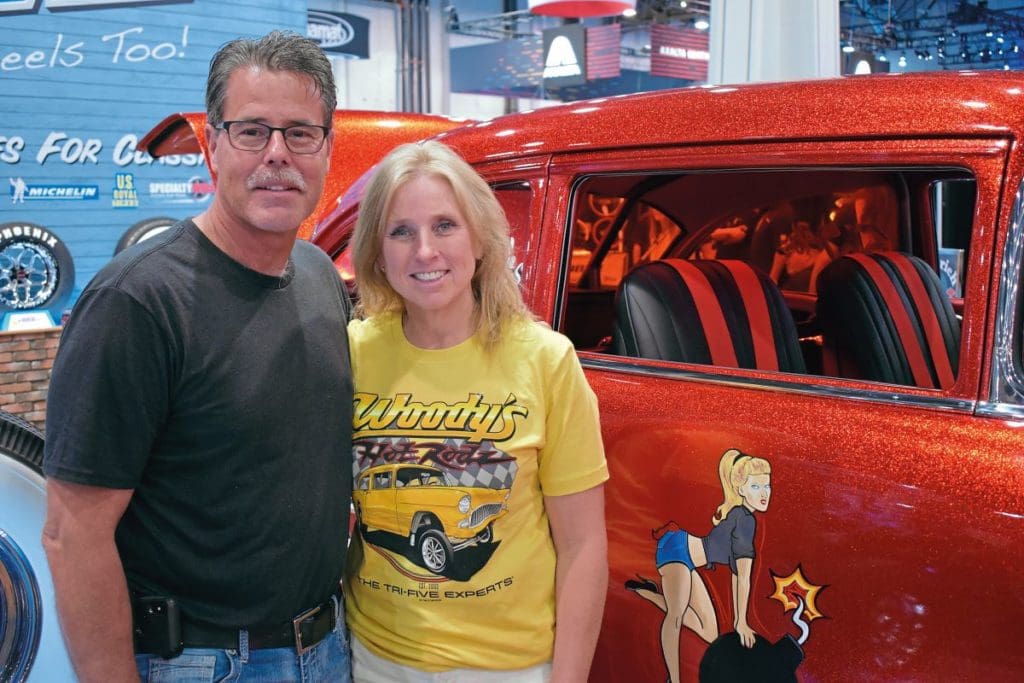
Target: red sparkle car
[824, 275]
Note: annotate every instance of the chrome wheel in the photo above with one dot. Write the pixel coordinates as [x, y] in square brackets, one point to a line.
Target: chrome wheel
[28, 275]
[20, 612]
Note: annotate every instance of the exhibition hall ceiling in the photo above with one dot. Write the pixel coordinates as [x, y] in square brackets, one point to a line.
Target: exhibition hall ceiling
[941, 34]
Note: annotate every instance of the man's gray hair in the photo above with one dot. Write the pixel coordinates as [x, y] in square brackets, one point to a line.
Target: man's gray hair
[276, 51]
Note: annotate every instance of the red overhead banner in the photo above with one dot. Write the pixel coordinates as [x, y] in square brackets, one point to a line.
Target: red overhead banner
[679, 52]
[580, 8]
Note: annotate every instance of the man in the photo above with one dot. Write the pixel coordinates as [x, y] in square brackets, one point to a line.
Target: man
[199, 415]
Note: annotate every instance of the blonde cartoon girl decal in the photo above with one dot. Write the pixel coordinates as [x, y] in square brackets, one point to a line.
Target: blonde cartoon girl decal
[683, 595]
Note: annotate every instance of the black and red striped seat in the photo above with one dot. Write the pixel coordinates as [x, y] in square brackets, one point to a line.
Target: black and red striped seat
[885, 317]
[724, 313]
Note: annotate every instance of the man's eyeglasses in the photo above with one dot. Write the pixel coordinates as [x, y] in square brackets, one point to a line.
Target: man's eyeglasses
[251, 136]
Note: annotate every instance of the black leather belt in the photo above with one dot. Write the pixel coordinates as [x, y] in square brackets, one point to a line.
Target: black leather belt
[303, 632]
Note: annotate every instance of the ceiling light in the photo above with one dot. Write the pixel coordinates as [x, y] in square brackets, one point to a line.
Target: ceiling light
[701, 25]
[847, 48]
[682, 3]
[902, 60]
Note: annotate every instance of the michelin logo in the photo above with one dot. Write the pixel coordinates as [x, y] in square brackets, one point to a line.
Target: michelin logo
[562, 61]
[22, 191]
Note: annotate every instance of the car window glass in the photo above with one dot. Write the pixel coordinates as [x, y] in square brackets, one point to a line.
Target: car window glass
[382, 480]
[953, 207]
[786, 227]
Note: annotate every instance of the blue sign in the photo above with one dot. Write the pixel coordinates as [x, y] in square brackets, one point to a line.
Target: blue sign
[340, 34]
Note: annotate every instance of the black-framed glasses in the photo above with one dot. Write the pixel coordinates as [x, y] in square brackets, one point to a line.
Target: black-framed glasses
[252, 136]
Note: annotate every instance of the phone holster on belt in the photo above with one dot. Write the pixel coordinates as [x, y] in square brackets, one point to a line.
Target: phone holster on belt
[157, 626]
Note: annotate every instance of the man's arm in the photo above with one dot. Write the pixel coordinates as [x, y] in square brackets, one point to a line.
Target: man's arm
[581, 580]
[88, 579]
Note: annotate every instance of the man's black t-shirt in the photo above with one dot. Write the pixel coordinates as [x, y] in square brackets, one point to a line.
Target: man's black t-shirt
[224, 398]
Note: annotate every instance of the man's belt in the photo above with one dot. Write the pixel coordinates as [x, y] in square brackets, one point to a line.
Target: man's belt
[303, 632]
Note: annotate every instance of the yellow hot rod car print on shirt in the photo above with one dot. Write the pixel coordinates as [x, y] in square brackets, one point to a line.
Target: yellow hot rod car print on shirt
[428, 507]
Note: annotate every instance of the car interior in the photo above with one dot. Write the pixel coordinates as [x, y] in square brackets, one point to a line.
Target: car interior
[854, 273]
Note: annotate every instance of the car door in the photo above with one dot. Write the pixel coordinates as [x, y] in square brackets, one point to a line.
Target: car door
[890, 546]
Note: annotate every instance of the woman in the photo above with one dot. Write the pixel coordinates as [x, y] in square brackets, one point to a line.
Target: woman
[478, 456]
[801, 256]
[746, 488]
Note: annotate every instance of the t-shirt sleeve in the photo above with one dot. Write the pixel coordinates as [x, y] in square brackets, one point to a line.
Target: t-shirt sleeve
[572, 458]
[109, 392]
[743, 536]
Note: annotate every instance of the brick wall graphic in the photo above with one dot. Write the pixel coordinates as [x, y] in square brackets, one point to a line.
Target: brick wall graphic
[25, 362]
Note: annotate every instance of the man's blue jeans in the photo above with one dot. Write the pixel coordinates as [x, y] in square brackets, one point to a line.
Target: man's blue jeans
[330, 660]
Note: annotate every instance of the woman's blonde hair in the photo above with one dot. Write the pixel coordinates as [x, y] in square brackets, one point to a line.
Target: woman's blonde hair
[497, 295]
[733, 469]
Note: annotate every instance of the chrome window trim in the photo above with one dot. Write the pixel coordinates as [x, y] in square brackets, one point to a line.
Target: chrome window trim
[1006, 383]
[891, 397]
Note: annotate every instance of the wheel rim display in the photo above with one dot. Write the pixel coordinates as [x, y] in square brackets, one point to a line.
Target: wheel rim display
[28, 275]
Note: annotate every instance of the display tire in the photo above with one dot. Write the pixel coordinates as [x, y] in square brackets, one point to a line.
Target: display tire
[22, 604]
[142, 231]
[36, 269]
[21, 440]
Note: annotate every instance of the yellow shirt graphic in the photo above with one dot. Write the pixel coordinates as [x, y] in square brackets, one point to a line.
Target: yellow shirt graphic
[454, 450]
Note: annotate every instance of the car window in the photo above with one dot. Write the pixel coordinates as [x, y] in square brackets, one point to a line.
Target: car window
[411, 476]
[363, 484]
[382, 480]
[638, 241]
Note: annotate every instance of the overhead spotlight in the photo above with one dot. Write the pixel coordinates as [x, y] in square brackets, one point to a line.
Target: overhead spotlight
[847, 48]
[882, 58]
[989, 33]
[1006, 67]
[682, 4]
[953, 33]
[902, 62]
[629, 12]
[1015, 48]
[1000, 39]
[701, 25]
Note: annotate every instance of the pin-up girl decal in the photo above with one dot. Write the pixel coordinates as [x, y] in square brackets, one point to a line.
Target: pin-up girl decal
[683, 596]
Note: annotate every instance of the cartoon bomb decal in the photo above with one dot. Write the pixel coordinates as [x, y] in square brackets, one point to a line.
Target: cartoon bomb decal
[727, 661]
[739, 655]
